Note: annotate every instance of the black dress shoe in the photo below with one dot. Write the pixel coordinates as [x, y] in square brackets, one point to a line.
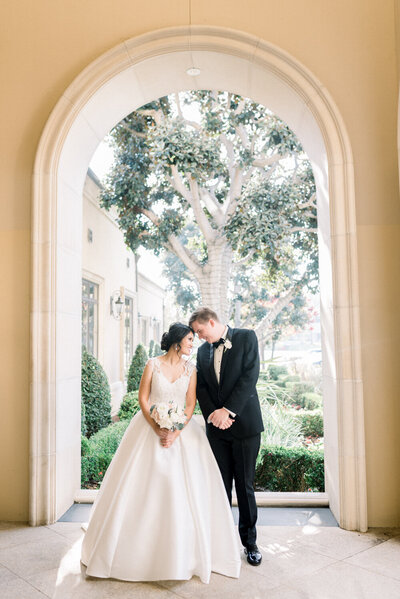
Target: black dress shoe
[254, 556]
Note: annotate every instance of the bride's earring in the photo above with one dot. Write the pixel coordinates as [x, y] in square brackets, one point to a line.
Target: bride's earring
[177, 347]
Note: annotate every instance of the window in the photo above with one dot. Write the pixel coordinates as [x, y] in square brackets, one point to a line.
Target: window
[128, 333]
[90, 311]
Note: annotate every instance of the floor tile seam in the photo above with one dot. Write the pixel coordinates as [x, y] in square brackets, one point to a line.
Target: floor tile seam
[12, 572]
[36, 588]
[35, 542]
[164, 588]
[28, 542]
[320, 552]
[60, 534]
[257, 571]
[370, 570]
[18, 576]
[290, 581]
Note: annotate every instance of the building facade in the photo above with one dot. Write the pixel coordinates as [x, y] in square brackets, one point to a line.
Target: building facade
[120, 306]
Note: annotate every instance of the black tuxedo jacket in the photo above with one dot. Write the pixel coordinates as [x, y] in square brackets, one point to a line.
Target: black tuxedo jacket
[236, 390]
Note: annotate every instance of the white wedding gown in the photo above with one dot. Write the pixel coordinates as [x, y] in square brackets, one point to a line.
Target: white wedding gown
[162, 513]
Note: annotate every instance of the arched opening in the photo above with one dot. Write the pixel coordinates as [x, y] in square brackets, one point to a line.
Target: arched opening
[127, 77]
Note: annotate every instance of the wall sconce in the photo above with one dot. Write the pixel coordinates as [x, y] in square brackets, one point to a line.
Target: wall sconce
[116, 305]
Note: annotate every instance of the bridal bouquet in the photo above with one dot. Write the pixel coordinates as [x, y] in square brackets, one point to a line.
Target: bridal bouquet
[168, 415]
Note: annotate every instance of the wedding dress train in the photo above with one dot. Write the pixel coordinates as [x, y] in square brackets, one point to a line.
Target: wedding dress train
[162, 513]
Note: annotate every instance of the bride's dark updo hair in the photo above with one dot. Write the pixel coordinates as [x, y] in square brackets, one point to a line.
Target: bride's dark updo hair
[175, 334]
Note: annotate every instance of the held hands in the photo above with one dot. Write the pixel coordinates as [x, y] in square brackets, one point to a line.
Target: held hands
[167, 437]
[220, 418]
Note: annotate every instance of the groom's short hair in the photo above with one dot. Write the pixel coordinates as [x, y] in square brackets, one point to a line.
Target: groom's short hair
[203, 315]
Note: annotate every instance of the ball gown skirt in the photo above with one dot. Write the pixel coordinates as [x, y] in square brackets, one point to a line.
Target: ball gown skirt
[161, 513]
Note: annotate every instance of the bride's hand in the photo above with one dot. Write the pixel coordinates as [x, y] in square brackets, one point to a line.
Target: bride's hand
[169, 438]
[161, 432]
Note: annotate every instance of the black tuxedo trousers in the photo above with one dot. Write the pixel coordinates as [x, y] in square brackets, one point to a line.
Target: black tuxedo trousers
[236, 459]
[236, 448]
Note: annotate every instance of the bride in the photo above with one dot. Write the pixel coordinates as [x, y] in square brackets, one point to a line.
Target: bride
[162, 512]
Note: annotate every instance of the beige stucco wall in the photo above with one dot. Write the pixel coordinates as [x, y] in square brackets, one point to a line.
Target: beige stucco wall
[349, 46]
[151, 309]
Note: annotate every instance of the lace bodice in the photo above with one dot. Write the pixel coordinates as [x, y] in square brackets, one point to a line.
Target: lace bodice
[162, 390]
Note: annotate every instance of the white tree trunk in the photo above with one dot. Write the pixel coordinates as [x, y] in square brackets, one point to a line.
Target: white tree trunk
[214, 279]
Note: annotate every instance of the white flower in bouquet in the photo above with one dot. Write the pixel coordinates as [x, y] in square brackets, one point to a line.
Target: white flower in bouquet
[168, 415]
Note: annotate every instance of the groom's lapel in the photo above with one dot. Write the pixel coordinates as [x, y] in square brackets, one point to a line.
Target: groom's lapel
[225, 355]
[211, 366]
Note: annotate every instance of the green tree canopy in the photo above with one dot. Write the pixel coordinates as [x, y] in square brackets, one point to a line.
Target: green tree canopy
[224, 186]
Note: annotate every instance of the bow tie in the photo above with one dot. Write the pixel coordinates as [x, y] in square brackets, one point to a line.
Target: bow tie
[218, 343]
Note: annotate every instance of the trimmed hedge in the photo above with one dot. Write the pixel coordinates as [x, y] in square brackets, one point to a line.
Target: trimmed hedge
[290, 469]
[275, 370]
[83, 419]
[151, 348]
[98, 451]
[312, 422]
[312, 401]
[129, 406]
[95, 393]
[136, 368]
[157, 351]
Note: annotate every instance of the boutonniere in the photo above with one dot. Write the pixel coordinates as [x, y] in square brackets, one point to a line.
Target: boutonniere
[227, 344]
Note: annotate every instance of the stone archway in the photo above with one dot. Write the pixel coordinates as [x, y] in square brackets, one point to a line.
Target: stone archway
[124, 78]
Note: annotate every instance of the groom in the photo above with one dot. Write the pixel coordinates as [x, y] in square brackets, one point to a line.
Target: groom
[228, 365]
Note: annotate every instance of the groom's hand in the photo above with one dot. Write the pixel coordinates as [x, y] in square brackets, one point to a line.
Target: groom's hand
[220, 418]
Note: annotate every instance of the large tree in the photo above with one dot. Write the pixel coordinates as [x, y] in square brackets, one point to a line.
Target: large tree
[223, 185]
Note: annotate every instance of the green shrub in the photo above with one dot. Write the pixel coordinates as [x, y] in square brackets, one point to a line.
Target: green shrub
[136, 368]
[312, 401]
[157, 350]
[290, 378]
[83, 419]
[297, 391]
[287, 380]
[95, 393]
[280, 426]
[290, 469]
[129, 406]
[274, 370]
[197, 409]
[98, 452]
[84, 445]
[269, 389]
[312, 423]
[151, 348]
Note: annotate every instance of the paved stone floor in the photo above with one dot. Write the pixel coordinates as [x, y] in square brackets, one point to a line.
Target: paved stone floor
[299, 562]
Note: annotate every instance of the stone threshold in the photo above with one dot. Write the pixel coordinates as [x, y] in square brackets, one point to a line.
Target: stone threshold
[263, 499]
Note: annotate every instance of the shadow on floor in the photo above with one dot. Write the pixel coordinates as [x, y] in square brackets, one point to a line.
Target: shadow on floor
[267, 516]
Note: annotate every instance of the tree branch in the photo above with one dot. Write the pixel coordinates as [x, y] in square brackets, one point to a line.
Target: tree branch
[155, 114]
[262, 162]
[245, 259]
[185, 255]
[303, 229]
[202, 220]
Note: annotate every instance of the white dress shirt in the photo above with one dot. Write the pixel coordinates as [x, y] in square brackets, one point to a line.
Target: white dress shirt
[218, 353]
